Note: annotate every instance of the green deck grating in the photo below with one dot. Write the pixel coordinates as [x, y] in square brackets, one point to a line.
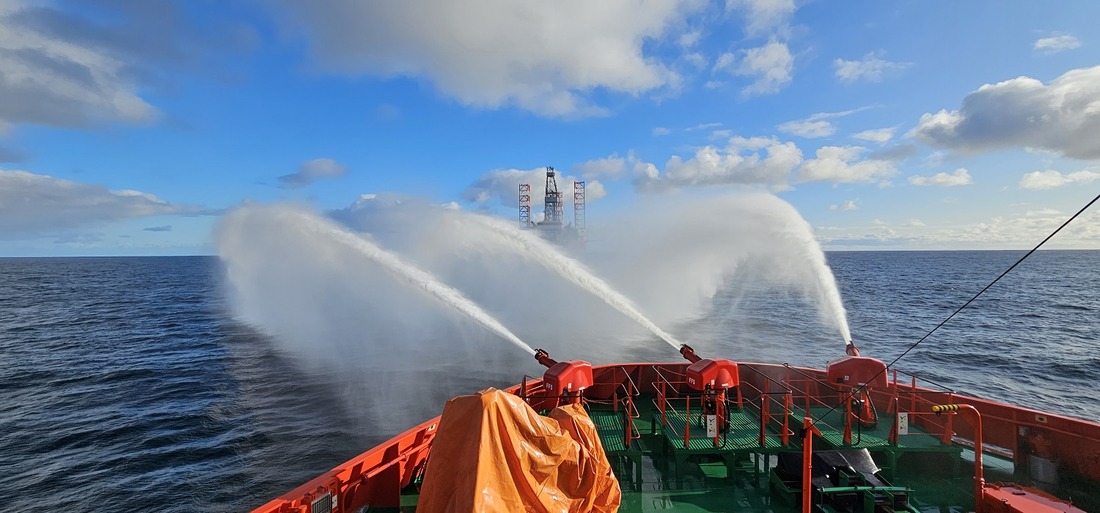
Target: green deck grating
[743, 435]
[611, 428]
[831, 425]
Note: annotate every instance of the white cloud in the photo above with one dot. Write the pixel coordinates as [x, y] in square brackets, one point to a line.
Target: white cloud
[960, 177]
[689, 39]
[846, 206]
[896, 153]
[771, 65]
[502, 186]
[1063, 117]
[1049, 179]
[879, 135]
[808, 128]
[746, 161]
[593, 190]
[816, 125]
[47, 79]
[660, 131]
[312, 170]
[31, 204]
[704, 126]
[79, 66]
[1043, 212]
[842, 164]
[539, 56]
[870, 68]
[1055, 44]
[725, 62]
[764, 17]
[1010, 232]
[611, 167]
[696, 60]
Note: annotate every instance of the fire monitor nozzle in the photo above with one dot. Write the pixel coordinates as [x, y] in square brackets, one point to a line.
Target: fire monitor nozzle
[857, 371]
[688, 353]
[569, 377]
[704, 373]
[544, 358]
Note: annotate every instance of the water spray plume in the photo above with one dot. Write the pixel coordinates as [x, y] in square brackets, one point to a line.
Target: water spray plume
[675, 256]
[408, 273]
[552, 258]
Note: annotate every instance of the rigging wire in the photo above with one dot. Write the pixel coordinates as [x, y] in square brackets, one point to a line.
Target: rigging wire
[862, 388]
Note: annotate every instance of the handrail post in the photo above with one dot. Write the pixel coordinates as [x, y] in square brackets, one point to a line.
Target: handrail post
[687, 422]
[895, 434]
[979, 473]
[807, 388]
[847, 421]
[894, 397]
[786, 414]
[626, 427]
[663, 399]
[913, 394]
[763, 416]
[948, 428]
[808, 432]
[765, 413]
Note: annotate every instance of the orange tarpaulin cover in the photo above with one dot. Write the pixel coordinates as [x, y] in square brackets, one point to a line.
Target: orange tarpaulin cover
[494, 453]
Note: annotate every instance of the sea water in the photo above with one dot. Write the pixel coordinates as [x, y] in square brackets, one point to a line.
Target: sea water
[127, 384]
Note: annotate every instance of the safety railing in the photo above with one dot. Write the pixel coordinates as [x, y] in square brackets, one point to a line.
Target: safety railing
[854, 410]
[847, 410]
[772, 401]
[673, 396]
[623, 393]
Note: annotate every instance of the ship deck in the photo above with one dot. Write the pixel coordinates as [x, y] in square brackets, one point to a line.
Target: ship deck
[658, 473]
[653, 428]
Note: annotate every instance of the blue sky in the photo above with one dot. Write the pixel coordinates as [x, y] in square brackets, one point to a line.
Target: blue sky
[129, 127]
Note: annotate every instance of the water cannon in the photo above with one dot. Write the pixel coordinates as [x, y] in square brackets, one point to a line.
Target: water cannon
[544, 358]
[708, 373]
[713, 377]
[688, 353]
[568, 378]
[856, 370]
[860, 373]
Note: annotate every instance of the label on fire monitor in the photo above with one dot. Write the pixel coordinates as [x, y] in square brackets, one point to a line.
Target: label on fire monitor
[712, 426]
[903, 423]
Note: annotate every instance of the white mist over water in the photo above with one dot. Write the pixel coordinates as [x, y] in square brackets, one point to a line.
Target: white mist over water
[551, 257]
[674, 254]
[409, 274]
[358, 317]
[385, 343]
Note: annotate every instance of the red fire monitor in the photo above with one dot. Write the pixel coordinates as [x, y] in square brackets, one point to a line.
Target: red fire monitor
[704, 373]
[564, 377]
[857, 371]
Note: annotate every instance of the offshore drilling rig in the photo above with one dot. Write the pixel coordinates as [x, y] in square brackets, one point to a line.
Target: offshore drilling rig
[553, 226]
